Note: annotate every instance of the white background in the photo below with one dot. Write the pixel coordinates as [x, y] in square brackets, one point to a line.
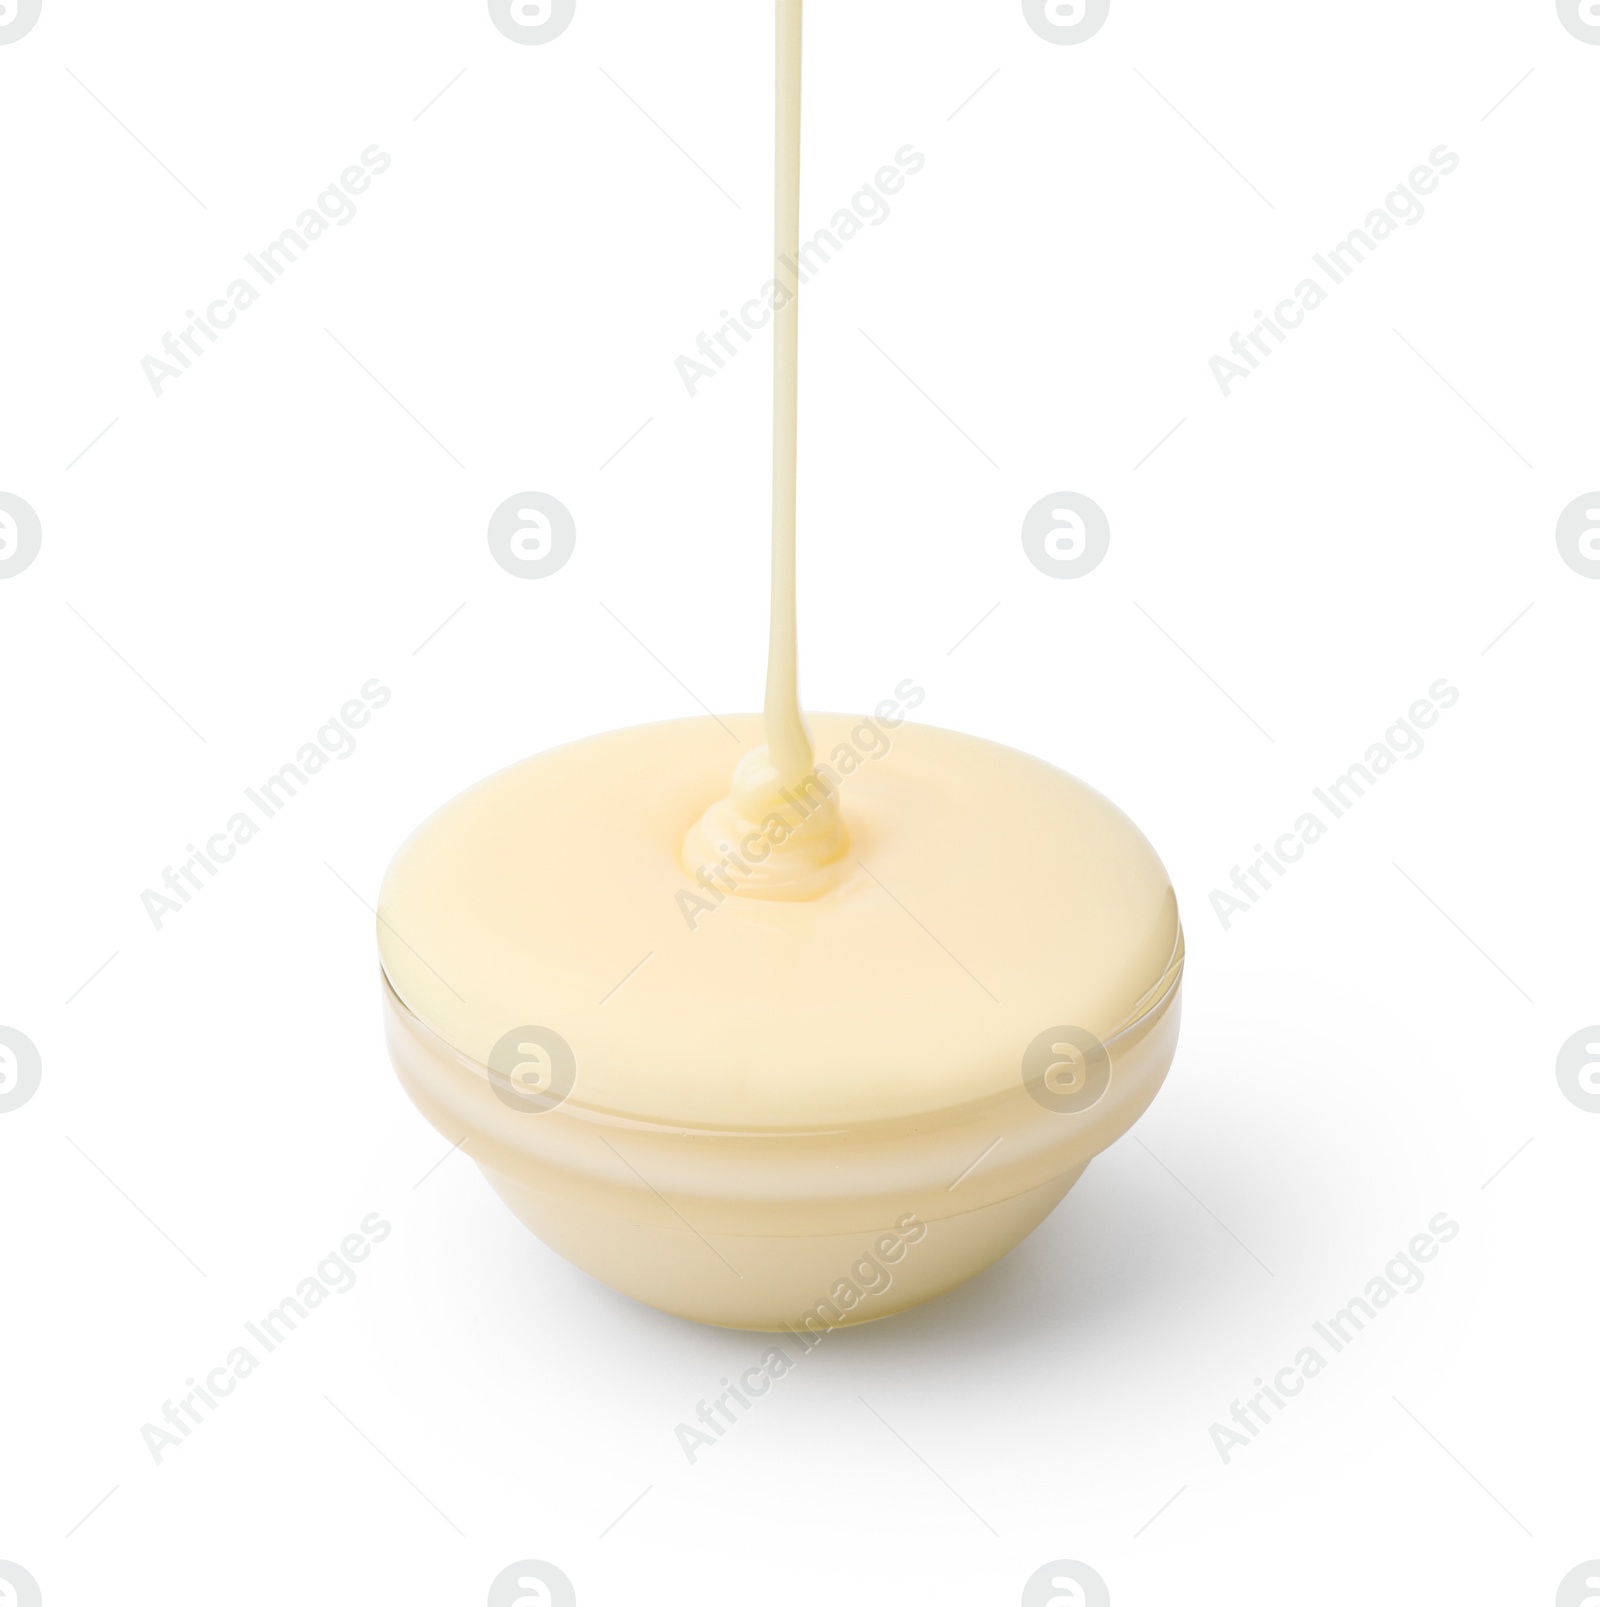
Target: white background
[225, 565]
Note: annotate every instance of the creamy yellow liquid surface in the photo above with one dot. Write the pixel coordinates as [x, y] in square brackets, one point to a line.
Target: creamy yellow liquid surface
[987, 898]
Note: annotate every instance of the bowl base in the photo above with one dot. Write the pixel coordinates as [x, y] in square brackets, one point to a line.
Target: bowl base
[782, 1283]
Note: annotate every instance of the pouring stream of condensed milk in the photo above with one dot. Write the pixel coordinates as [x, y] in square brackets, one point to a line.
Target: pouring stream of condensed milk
[778, 803]
[876, 1002]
